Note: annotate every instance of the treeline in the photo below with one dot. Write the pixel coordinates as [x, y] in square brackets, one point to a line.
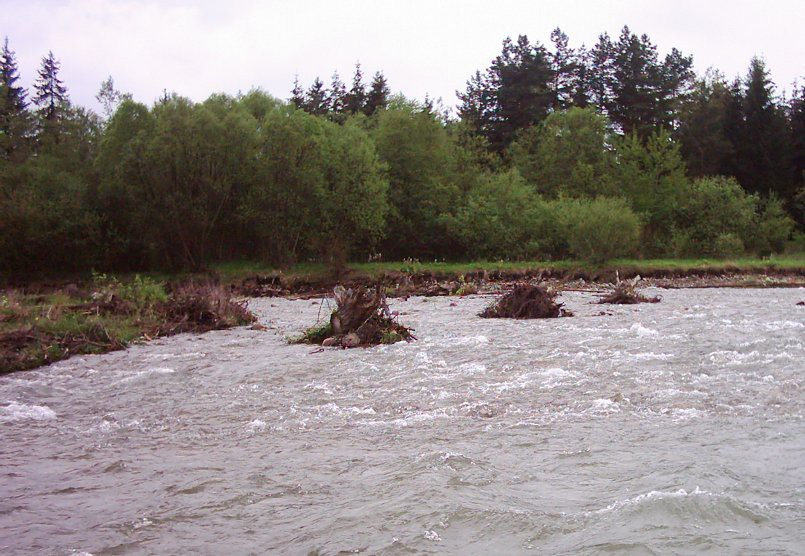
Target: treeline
[556, 153]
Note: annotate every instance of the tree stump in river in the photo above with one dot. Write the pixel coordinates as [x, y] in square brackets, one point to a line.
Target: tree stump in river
[361, 318]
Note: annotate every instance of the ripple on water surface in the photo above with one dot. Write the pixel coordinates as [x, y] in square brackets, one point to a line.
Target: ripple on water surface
[671, 427]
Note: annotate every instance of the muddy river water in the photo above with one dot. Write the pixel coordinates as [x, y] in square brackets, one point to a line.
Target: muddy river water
[668, 428]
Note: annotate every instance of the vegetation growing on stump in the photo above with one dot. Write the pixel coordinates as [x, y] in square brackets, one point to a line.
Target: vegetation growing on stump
[625, 293]
[527, 301]
[362, 318]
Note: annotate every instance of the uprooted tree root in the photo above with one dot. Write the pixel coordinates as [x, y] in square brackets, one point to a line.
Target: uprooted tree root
[361, 318]
[527, 301]
[625, 293]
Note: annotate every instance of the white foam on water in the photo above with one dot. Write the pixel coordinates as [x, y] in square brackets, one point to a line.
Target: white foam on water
[432, 535]
[257, 425]
[15, 411]
[151, 371]
[640, 330]
[652, 495]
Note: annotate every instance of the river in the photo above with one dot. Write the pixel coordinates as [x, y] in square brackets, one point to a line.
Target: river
[668, 428]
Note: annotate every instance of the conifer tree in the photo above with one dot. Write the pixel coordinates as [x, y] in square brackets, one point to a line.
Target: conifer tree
[565, 69]
[356, 97]
[764, 151]
[51, 95]
[13, 105]
[378, 96]
[297, 94]
[336, 96]
[316, 99]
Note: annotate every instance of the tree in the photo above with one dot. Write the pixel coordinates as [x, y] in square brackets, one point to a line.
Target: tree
[297, 94]
[378, 96]
[336, 96]
[702, 127]
[420, 160]
[316, 99]
[109, 97]
[14, 119]
[651, 176]
[643, 93]
[51, 94]
[796, 118]
[570, 153]
[763, 151]
[356, 97]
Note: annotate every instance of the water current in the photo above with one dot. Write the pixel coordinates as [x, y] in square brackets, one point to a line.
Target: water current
[668, 428]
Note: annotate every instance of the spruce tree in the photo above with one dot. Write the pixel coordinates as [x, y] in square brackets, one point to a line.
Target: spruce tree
[13, 105]
[51, 95]
[356, 97]
[316, 99]
[337, 95]
[766, 148]
[565, 69]
[297, 94]
[378, 96]
[796, 115]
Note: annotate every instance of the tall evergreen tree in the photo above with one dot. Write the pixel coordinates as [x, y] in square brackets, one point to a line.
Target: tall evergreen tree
[763, 152]
[297, 94]
[51, 94]
[13, 105]
[356, 97]
[639, 92]
[316, 99]
[337, 95]
[565, 69]
[702, 127]
[516, 92]
[796, 117]
[378, 96]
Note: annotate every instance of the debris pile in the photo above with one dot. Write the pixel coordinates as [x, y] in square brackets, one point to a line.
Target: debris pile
[527, 301]
[625, 293]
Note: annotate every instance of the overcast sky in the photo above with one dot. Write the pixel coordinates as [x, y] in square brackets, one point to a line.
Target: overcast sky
[196, 48]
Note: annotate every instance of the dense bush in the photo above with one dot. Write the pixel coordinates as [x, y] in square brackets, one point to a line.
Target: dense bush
[503, 218]
[712, 208]
[598, 230]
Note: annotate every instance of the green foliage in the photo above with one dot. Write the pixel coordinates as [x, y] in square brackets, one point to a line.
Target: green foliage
[598, 230]
[570, 154]
[709, 209]
[503, 218]
[420, 166]
[773, 229]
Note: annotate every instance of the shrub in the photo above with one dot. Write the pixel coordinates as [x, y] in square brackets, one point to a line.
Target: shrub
[503, 218]
[728, 246]
[774, 228]
[710, 209]
[598, 230]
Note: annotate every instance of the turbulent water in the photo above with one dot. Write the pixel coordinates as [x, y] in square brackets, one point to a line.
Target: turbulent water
[668, 428]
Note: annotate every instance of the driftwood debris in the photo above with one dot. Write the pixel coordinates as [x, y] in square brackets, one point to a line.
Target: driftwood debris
[625, 293]
[361, 318]
[527, 301]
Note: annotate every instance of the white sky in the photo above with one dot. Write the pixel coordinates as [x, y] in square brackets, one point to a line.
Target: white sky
[197, 48]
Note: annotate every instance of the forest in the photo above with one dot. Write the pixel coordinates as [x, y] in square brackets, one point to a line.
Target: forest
[554, 152]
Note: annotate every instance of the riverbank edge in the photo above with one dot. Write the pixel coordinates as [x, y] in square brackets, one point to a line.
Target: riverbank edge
[422, 280]
[462, 280]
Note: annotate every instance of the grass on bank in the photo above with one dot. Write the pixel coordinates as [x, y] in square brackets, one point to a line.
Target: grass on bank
[109, 314]
[235, 271]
